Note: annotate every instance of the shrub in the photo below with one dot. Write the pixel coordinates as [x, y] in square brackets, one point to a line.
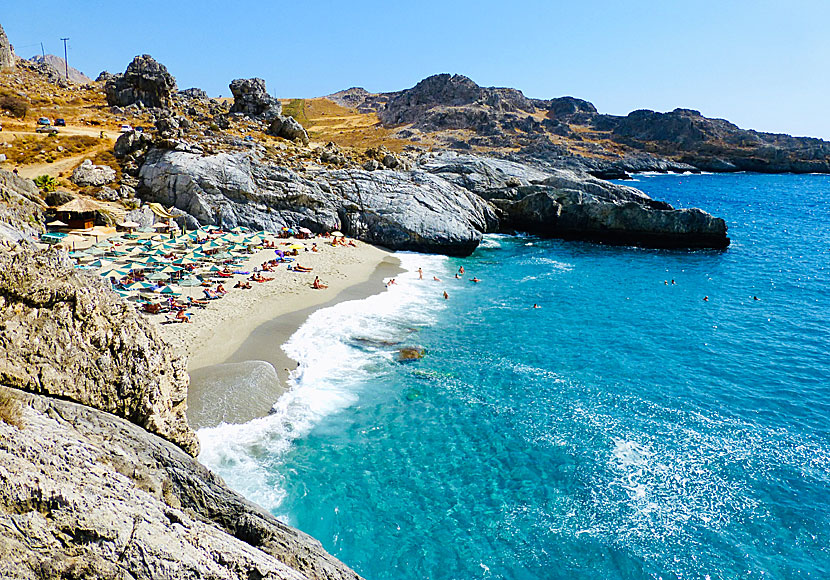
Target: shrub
[10, 410]
[46, 183]
[15, 105]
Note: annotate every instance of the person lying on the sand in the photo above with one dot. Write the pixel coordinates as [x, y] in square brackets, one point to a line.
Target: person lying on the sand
[243, 285]
[300, 268]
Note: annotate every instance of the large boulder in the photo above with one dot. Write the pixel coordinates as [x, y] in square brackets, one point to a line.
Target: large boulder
[131, 143]
[288, 128]
[400, 210]
[250, 98]
[7, 57]
[145, 82]
[87, 174]
[63, 334]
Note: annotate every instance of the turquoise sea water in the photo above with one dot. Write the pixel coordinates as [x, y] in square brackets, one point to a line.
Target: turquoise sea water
[625, 429]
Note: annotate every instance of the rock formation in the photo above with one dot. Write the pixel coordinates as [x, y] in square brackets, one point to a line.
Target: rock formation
[63, 334]
[145, 82]
[413, 211]
[288, 128]
[250, 98]
[7, 57]
[88, 494]
[88, 174]
[21, 208]
[564, 204]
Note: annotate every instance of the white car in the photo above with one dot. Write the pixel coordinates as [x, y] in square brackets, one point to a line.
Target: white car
[125, 129]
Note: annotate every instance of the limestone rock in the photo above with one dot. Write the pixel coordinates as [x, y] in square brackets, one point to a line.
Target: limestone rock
[104, 76]
[132, 143]
[85, 494]
[288, 128]
[88, 174]
[7, 57]
[21, 209]
[194, 93]
[250, 98]
[415, 210]
[146, 82]
[64, 334]
[569, 205]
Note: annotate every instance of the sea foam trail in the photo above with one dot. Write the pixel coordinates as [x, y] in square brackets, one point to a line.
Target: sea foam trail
[336, 349]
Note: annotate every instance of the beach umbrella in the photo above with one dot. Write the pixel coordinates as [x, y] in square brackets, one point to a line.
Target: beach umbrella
[337, 235]
[296, 247]
[99, 263]
[212, 228]
[130, 225]
[240, 230]
[170, 290]
[155, 260]
[171, 269]
[158, 276]
[183, 261]
[117, 253]
[140, 286]
[114, 273]
[215, 268]
[79, 254]
[57, 224]
[304, 231]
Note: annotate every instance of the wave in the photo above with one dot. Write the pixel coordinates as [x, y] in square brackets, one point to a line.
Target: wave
[336, 348]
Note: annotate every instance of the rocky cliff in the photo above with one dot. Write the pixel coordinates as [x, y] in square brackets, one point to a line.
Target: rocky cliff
[145, 81]
[21, 208]
[442, 205]
[96, 476]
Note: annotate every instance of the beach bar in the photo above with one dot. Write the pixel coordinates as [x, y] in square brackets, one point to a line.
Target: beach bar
[78, 213]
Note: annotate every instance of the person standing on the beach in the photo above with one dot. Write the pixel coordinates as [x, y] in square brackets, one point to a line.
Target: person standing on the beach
[420, 274]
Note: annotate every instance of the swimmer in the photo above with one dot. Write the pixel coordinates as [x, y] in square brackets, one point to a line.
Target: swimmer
[474, 279]
[436, 279]
[461, 270]
[666, 282]
[706, 299]
[672, 283]
[755, 298]
[536, 306]
[446, 296]
[457, 277]
[420, 274]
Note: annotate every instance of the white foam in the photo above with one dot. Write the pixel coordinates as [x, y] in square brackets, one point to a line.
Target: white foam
[336, 348]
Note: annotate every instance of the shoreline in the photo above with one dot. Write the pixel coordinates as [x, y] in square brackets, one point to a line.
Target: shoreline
[236, 364]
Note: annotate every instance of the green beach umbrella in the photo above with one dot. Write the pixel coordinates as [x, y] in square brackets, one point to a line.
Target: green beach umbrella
[171, 290]
[140, 286]
[158, 276]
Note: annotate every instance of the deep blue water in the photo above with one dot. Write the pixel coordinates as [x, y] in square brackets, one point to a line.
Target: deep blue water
[625, 429]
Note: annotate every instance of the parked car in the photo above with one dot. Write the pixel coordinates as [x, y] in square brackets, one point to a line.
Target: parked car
[44, 121]
[247, 138]
[60, 123]
[47, 129]
[125, 129]
[139, 129]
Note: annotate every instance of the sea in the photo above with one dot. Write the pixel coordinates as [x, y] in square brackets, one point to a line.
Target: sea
[662, 414]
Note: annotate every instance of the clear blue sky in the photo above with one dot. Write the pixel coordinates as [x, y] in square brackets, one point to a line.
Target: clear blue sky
[761, 64]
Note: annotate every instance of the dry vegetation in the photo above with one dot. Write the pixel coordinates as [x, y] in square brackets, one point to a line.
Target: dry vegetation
[26, 149]
[11, 411]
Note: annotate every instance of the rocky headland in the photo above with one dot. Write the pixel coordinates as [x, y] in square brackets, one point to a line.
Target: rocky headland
[97, 475]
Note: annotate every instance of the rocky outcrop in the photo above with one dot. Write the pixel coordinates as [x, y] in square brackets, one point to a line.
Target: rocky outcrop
[565, 204]
[288, 128]
[194, 93]
[21, 208]
[145, 82]
[400, 210]
[7, 57]
[85, 494]
[63, 334]
[87, 174]
[60, 68]
[250, 98]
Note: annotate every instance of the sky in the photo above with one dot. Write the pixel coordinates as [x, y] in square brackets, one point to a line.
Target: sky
[760, 64]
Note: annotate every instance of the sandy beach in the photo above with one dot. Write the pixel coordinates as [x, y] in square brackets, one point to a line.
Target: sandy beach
[234, 343]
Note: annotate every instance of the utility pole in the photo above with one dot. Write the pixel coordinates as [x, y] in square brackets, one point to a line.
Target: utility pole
[65, 58]
[42, 52]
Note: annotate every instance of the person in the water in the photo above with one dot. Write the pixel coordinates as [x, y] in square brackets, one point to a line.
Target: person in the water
[706, 299]
[446, 296]
[474, 279]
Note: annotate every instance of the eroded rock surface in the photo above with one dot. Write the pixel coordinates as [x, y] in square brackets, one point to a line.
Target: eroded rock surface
[7, 57]
[64, 334]
[85, 494]
[400, 210]
[146, 82]
[87, 174]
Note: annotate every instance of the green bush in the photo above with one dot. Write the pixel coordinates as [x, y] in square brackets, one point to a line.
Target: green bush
[15, 105]
[46, 183]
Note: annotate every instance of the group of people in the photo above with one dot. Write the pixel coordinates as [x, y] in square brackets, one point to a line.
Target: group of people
[458, 276]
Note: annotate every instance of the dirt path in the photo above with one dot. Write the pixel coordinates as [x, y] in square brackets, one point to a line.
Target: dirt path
[65, 165]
